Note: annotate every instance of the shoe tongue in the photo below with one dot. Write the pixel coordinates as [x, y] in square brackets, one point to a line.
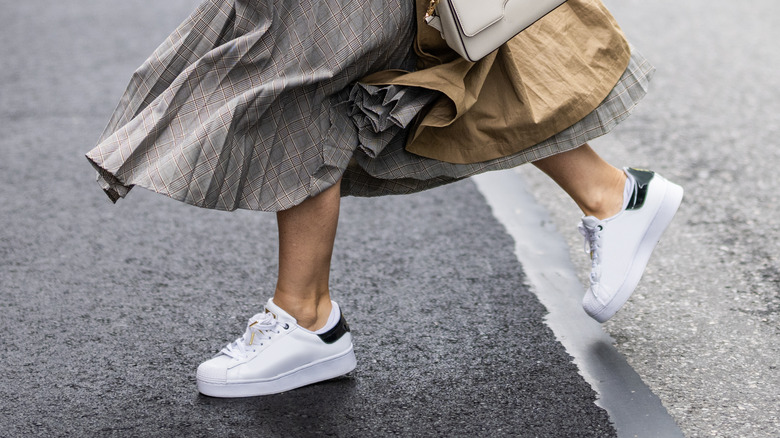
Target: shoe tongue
[590, 221]
[279, 312]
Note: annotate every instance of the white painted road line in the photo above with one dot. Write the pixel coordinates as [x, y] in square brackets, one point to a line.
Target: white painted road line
[634, 409]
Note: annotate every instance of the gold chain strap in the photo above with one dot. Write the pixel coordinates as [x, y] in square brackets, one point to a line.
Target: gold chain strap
[431, 8]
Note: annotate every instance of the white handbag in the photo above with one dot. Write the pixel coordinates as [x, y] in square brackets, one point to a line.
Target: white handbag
[474, 28]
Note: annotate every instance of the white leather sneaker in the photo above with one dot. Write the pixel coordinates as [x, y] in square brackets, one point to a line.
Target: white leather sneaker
[620, 246]
[274, 355]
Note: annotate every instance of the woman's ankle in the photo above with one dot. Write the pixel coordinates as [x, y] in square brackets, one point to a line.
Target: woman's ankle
[311, 312]
[608, 200]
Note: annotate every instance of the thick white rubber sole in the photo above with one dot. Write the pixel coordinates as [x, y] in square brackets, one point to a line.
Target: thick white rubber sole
[319, 371]
[663, 217]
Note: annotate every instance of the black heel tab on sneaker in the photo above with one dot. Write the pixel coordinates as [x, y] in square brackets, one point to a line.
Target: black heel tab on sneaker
[334, 334]
[641, 180]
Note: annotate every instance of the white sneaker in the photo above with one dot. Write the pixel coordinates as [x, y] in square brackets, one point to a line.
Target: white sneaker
[620, 246]
[275, 354]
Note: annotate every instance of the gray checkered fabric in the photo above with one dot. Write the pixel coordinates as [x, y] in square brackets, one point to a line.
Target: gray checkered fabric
[254, 104]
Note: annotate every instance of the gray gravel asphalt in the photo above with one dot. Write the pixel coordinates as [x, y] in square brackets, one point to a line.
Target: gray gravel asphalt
[107, 310]
[702, 328]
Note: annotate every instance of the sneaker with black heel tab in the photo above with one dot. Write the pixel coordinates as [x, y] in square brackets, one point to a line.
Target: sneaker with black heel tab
[274, 355]
[620, 246]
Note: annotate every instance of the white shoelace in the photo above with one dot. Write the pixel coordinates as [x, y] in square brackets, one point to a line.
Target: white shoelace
[593, 248]
[592, 234]
[260, 329]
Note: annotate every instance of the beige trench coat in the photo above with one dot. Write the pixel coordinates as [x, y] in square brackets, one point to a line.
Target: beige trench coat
[539, 83]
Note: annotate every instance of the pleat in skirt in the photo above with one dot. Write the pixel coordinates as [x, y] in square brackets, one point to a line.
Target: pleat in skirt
[256, 104]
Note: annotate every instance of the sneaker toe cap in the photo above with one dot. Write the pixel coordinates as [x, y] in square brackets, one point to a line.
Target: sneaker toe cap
[593, 305]
[214, 370]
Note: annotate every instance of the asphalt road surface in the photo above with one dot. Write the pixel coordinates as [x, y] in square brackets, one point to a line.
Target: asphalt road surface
[702, 328]
[107, 310]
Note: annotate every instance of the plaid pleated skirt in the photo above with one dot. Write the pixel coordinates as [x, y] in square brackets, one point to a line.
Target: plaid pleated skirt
[255, 104]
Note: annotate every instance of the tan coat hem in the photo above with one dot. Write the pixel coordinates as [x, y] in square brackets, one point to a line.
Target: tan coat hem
[541, 82]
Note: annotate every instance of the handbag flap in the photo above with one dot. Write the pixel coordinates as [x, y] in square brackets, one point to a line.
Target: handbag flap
[475, 16]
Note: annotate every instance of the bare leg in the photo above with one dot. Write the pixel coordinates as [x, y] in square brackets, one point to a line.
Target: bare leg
[595, 185]
[306, 236]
